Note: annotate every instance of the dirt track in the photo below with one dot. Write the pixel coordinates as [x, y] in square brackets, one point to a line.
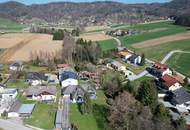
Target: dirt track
[162, 40]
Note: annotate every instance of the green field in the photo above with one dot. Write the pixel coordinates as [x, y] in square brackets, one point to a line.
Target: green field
[157, 53]
[108, 44]
[146, 34]
[181, 63]
[43, 117]
[10, 26]
[94, 121]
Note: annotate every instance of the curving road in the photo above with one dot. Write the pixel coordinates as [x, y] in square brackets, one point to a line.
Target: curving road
[8, 125]
[118, 41]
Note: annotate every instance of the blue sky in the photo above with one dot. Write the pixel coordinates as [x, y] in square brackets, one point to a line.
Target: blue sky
[47, 1]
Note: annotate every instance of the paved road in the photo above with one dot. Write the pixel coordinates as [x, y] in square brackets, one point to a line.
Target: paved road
[66, 103]
[118, 41]
[135, 77]
[7, 125]
[169, 55]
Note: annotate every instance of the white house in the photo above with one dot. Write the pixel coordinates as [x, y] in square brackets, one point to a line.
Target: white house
[41, 93]
[6, 93]
[17, 66]
[34, 78]
[135, 59]
[68, 78]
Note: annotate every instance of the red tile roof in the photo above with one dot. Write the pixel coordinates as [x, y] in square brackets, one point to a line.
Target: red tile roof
[179, 78]
[168, 80]
[62, 66]
[161, 67]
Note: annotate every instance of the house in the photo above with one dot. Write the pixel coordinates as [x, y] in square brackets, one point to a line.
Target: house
[62, 66]
[68, 78]
[117, 66]
[135, 59]
[59, 120]
[52, 79]
[170, 83]
[41, 93]
[35, 78]
[181, 99]
[125, 55]
[7, 93]
[17, 66]
[160, 70]
[76, 93]
[13, 111]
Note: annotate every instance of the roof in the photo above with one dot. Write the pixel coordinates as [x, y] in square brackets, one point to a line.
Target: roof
[36, 76]
[179, 78]
[133, 57]
[116, 63]
[181, 95]
[38, 90]
[160, 67]
[88, 87]
[70, 89]
[68, 75]
[62, 66]
[124, 53]
[15, 106]
[26, 108]
[9, 91]
[16, 64]
[168, 80]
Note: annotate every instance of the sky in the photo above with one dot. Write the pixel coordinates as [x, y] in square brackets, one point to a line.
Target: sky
[28, 2]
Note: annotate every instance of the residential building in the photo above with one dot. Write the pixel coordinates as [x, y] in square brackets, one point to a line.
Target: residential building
[125, 55]
[26, 110]
[6, 93]
[41, 93]
[135, 59]
[160, 70]
[17, 66]
[14, 108]
[35, 78]
[68, 78]
[170, 83]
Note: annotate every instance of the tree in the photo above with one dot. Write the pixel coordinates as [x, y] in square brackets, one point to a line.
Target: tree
[86, 106]
[181, 122]
[142, 60]
[129, 87]
[58, 35]
[147, 94]
[161, 111]
[186, 82]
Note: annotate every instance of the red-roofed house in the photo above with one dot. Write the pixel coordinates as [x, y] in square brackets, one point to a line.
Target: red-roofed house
[159, 69]
[61, 66]
[170, 83]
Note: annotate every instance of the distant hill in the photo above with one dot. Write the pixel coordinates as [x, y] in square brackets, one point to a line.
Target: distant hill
[92, 13]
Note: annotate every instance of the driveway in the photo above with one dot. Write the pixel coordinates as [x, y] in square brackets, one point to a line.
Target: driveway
[8, 125]
[66, 103]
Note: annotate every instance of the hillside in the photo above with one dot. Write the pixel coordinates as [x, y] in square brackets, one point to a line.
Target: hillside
[91, 13]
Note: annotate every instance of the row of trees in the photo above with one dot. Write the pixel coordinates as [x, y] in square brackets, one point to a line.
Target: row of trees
[183, 20]
[136, 108]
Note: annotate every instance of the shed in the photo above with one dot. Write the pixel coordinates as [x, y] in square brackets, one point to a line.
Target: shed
[26, 110]
[13, 111]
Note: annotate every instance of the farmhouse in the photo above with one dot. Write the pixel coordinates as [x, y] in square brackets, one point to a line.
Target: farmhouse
[125, 55]
[117, 66]
[35, 78]
[168, 82]
[68, 78]
[13, 111]
[41, 93]
[181, 99]
[135, 59]
[160, 70]
[17, 66]
[8, 93]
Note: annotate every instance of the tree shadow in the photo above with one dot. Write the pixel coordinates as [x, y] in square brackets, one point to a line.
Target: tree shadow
[100, 113]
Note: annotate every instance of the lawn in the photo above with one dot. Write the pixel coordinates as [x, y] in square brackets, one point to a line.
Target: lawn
[10, 26]
[108, 44]
[157, 53]
[146, 35]
[43, 116]
[181, 63]
[20, 84]
[94, 121]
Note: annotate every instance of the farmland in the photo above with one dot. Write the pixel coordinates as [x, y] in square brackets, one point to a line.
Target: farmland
[107, 44]
[181, 63]
[96, 36]
[19, 45]
[10, 26]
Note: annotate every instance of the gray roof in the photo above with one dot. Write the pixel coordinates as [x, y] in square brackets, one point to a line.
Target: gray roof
[15, 106]
[58, 119]
[36, 76]
[68, 74]
[17, 64]
[181, 96]
[37, 90]
[70, 89]
[133, 57]
[26, 108]
[9, 91]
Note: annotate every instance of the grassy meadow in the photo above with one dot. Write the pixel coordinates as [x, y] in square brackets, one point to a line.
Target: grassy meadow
[108, 44]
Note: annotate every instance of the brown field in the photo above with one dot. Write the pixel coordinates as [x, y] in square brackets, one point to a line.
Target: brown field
[20, 49]
[93, 28]
[162, 40]
[98, 36]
